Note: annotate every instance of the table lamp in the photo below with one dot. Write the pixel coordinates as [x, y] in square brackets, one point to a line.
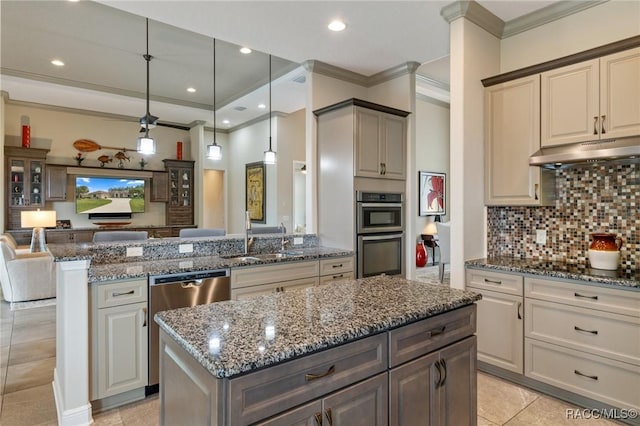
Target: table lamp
[430, 229]
[38, 219]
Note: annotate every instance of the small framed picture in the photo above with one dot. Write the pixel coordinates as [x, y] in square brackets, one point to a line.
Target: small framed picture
[431, 197]
[63, 224]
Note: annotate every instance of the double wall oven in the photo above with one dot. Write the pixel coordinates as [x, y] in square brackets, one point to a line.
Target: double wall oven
[380, 233]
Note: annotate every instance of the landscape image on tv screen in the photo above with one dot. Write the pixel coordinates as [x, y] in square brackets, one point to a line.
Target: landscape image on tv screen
[109, 195]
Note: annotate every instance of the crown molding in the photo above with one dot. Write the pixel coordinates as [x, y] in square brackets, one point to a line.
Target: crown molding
[475, 13]
[480, 16]
[550, 13]
[328, 70]
[421, 79]
[391, 73]
[277, 114]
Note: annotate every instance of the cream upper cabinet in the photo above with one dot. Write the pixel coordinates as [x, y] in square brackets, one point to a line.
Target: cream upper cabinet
[512, 134]
[380, 144]
[591, 100]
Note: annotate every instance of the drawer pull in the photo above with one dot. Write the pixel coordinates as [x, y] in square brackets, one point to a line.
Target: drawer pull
[122, 294]
[337, 266]
[144, 312]
[585, 297]
[436, 331]
[329, 415]
[310, 377]
[585, 375]
[338, 276]
[487, 280]
[444, 369]
[519, 306]
[576, 328]
[318, 417]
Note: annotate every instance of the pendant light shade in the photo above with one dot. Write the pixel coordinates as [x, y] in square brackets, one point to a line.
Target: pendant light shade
[214, 151]
[270, 155]
[146, 144]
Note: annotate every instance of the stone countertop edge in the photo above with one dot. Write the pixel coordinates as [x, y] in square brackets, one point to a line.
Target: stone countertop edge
[130, 270]
[550, 269]
[233, 337]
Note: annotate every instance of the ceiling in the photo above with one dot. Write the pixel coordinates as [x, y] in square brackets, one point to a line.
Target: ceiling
[102, 44]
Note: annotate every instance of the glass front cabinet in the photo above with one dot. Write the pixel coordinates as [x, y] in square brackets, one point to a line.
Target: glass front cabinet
[180, 205]
[25, 170]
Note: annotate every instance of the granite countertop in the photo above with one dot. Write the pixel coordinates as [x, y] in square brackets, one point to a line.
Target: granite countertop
[233, 337]
[128, 270]
[619, 278]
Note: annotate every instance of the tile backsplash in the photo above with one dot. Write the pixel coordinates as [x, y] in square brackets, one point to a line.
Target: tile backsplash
[603, 198]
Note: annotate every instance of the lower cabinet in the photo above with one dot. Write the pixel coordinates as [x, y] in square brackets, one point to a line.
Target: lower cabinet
[363, 404]
[500, 318]
[336, 269]
[118, 337]
[266, 279]
[436, 389]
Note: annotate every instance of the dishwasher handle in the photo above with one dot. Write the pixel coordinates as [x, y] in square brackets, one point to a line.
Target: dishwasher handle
[191, 284]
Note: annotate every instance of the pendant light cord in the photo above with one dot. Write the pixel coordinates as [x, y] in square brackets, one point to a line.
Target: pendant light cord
[214, 91]
[147, 58]
[269, 102]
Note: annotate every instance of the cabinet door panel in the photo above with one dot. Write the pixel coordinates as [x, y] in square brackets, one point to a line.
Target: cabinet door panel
[570, 102]
[500, 330]
[412, 392]
[364, 404]
[458, 390]
[301, 416]
[122, 349]
[619, 78]
[368, 156]
[394, 135]
[512, 134]
[56, 183]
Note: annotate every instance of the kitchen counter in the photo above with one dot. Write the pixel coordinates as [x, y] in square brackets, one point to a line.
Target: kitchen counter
[302, 321]
[618, 279]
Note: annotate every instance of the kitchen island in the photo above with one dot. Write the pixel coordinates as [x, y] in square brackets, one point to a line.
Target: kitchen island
[371, 351]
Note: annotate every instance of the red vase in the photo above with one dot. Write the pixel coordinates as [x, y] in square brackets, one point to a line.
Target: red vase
[421, 255]
[179, 150]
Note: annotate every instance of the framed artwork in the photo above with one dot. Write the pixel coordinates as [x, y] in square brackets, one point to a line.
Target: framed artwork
[255, 187]
[431, 195]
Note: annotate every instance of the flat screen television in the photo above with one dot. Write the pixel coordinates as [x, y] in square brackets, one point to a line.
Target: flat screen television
[109, 197]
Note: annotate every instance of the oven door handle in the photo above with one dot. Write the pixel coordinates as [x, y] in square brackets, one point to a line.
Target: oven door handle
[393, 205]
[381, 237]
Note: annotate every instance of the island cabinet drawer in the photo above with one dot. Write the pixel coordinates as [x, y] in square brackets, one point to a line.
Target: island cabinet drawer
[336, 266]
[417, 339]
[625, 302]
[495, 281]
[264, 393]
[250, 276]
[612, 382]
[121, 293]
[602, 333]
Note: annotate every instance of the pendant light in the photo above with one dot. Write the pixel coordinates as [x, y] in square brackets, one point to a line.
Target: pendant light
[214, 152]
[270, 155]
[146, 144]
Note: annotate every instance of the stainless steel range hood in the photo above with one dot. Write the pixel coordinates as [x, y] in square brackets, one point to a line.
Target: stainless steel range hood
[620, 150]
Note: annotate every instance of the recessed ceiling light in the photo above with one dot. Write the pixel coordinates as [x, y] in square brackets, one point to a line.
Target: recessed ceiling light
[57, 63]
[262, 106]
[191, 90]
[245, 50]
[225, 121]
[337, 25]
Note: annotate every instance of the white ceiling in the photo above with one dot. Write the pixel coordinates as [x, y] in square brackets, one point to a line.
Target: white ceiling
[102, 44]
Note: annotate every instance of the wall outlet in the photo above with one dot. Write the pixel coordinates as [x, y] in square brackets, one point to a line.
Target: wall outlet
[297, 241]
[185, 248]
[541, 236]
[134, 251]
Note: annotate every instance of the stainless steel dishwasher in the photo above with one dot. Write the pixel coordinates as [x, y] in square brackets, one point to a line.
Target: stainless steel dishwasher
[181, 290]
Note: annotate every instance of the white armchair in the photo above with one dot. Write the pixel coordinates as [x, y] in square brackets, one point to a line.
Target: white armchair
[444, 240]
[29, 276]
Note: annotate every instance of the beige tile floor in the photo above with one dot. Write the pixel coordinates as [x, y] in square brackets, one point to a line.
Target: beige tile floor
[27, 359]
